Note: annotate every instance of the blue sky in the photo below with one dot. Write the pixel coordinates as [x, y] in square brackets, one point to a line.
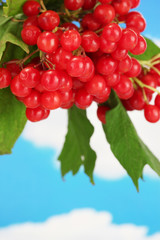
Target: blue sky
[32, 190]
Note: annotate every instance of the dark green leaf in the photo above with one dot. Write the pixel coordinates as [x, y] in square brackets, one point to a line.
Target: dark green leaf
[125, 144]
[77, 150]
[12, 120]
[152, 50]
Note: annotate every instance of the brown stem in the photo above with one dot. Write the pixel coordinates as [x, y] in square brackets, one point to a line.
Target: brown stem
[27, 57]
[43, 6]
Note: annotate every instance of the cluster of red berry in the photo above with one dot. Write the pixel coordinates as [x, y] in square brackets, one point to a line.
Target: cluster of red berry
[82, 65]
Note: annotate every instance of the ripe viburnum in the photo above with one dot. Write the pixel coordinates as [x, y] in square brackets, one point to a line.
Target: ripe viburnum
[79, 65]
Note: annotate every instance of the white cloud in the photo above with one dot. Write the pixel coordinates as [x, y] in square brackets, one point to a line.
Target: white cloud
[51, 133]
[86, 224]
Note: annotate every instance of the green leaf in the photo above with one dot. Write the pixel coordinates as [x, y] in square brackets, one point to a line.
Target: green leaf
[9, 37]
[76, 150]
[10, 33]
[12, 112]
[152, 50]
[12, 120]
[13, 7]
[125, 143]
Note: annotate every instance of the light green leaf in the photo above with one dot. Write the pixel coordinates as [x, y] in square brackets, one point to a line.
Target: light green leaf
[13, 7]
[77, 151]
[9, 37]
[125, 143]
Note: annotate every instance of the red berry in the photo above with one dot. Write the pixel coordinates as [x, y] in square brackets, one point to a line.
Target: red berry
[5, 78]
[50, 80]
[104, 13]
[48, 20]
[137, 100]
[112, 79]
[68, 105]
[77, 84]
[125, 65]
[69, 26]
[66, 98]
[128, 40]
[135, 69]
[112, 32]
[122, 7]
[40, 88]
[47, 42]
[134, 3]
[96, 86]
[106, 46]
[36, 114]
[126, 105]
[106, 65]
[71, 40]
[104, 95]
[157, 101]
[101, 113]
[51, 100]
[88, 70]
[119, 54]
[76, 66]
[32, 100]
[89, 22]
[136, 22]
[83, 99]
[90, 41]
[140, 47]
[152, 113]
[13, 68]
[89, 4]
[73, 4]
[31, 21]
[61, 58]
[151, 81]
[18, 89]
[124, 88]
[105, 1]
[65, 82]
[29, 77]
[31, 8]
[30, 34]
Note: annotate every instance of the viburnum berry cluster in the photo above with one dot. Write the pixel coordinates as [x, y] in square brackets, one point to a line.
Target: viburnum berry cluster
[81, 65]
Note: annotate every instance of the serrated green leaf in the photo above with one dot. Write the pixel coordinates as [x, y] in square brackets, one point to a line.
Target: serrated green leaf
[9, 37]
[12, 120]
[125, 143]
[13, 7]
[77, 151]
[10, 32]
[152, 50]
